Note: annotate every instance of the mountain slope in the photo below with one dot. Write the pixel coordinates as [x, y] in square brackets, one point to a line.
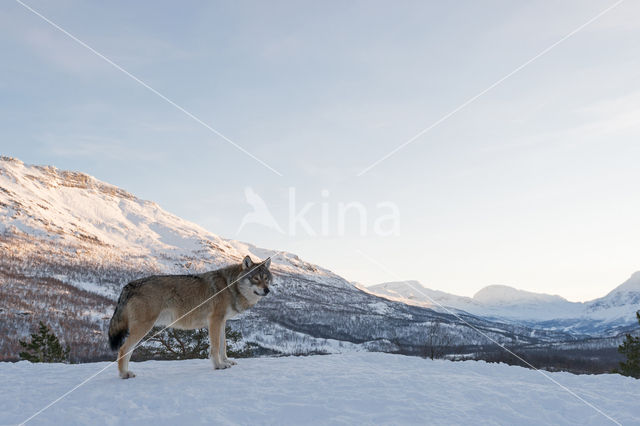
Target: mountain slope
[618, 301]
[67, 236]
[70, 208]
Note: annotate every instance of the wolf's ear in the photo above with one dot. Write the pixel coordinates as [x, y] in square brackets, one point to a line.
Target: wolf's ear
[267, 263]
[247, 263]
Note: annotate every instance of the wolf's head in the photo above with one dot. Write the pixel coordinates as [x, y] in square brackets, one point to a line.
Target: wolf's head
[257, 275]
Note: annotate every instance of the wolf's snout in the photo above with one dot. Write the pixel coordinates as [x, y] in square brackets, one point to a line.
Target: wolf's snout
[266, 291]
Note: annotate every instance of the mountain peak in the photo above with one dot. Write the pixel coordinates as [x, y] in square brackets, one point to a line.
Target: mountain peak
[502, 294]
[36, 179]
[632, 284]
[10, 159]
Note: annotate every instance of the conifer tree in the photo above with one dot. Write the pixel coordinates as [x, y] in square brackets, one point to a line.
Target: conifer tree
[630, 348]
[233, 337]
[173, 343]
[44, 347]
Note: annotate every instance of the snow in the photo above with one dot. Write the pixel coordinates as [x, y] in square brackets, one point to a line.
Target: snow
[358, 388]
[379, 308]
[78, 204]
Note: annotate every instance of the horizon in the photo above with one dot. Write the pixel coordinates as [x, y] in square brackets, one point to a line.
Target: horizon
[531, 185]
[513, 287]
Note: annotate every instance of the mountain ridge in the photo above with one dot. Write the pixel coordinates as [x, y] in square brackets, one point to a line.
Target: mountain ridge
[499, 301]
[508, 294]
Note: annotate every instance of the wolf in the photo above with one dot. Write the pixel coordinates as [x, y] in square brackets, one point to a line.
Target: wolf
[173, 300]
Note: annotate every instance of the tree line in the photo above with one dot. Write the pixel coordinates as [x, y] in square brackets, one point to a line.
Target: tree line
[165, 344]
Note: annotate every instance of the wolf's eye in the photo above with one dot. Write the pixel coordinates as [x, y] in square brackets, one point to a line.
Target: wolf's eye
[254, 279]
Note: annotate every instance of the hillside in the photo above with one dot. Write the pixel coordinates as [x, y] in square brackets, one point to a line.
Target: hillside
[70, 243]
[331, 389]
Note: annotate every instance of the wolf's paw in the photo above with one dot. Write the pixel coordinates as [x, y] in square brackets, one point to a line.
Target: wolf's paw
[223, 365]
[232, 362]
[127, 375]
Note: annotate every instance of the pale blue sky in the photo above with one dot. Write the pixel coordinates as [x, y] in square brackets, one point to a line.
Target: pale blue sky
[534, 185]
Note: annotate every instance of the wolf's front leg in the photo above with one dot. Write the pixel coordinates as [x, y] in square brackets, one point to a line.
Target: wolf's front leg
[214, 341]
[223, 345]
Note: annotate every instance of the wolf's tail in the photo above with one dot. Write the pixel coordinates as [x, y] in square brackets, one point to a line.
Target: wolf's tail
[119, 324]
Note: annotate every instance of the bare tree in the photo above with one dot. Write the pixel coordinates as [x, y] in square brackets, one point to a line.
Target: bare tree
[437, 342]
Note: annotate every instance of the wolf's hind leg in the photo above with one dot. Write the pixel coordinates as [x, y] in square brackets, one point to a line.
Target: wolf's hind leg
[136, 333]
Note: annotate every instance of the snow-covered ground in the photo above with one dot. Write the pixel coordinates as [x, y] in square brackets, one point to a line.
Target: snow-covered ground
[350, 388]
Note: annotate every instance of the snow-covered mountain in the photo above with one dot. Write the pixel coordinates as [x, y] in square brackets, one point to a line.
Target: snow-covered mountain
[69, 242]
[606, 315]
[97, 219]
[623, 301]
[505, 295]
